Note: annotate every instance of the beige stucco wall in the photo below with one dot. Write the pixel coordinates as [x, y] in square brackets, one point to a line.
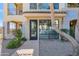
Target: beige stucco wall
[25, 25]
[16, 18]
[25, 19]
[26, 29]
[77, 33]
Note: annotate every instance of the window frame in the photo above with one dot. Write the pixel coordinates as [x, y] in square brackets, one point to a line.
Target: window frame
[55, 6]
[32, 8]
[44, 8]
[37, 9]
[13, 11]
[75, 5]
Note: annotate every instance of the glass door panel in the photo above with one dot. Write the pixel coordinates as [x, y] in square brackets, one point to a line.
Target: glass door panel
[33, 29]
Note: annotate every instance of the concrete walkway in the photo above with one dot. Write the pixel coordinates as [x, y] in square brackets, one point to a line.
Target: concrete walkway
[0, 46]
[55, 48]
[42, 48]
[48, 48]
[4, 50]
[32, 44]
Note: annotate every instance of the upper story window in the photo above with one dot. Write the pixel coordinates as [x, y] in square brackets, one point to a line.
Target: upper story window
[73, 5]
[14, 8]
[11, 9]
[33, 5]
[44, 6]
[56, 5]
[39, 6]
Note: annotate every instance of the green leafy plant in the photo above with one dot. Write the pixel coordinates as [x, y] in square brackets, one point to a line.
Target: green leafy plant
[66, 31]
[24, 39]
[18, 34]
[16, 42]
[72, 32]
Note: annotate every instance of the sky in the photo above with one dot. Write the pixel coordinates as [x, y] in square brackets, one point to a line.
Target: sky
[11, 8]
[1, 14]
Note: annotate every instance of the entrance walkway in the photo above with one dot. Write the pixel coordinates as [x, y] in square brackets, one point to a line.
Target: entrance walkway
[4, 50]
[32, 44]
[54, 48]
[0, 46]
[44, 47]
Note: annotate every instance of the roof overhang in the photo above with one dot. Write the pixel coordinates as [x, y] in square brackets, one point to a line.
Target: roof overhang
[43, 14]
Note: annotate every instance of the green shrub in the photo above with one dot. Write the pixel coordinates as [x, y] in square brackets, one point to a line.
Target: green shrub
[14, 43]
[18, 34]
[66, 31]
[72, 32]
[24, 39]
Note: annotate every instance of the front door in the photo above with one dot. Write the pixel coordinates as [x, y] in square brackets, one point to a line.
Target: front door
[33, 29]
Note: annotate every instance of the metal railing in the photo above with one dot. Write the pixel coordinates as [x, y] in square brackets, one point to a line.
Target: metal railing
[70, 39]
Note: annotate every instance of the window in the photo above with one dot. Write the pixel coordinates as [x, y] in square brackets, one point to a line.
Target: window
[11, 9]
[73, 5]
[15, 9]
[39, 6]
[57, 23]
[12, 27]
[44, 6]
[33, 5]
[56, 5]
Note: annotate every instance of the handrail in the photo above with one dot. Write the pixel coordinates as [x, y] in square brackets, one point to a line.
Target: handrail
[71, 39]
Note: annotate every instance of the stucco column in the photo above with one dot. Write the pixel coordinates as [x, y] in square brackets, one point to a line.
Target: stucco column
[5, 29]
[52, 15]
[60, 7]
[77, 31]
[17, 25]
[60, 23]
[25, 28]
[5, 9]
[77, 28]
